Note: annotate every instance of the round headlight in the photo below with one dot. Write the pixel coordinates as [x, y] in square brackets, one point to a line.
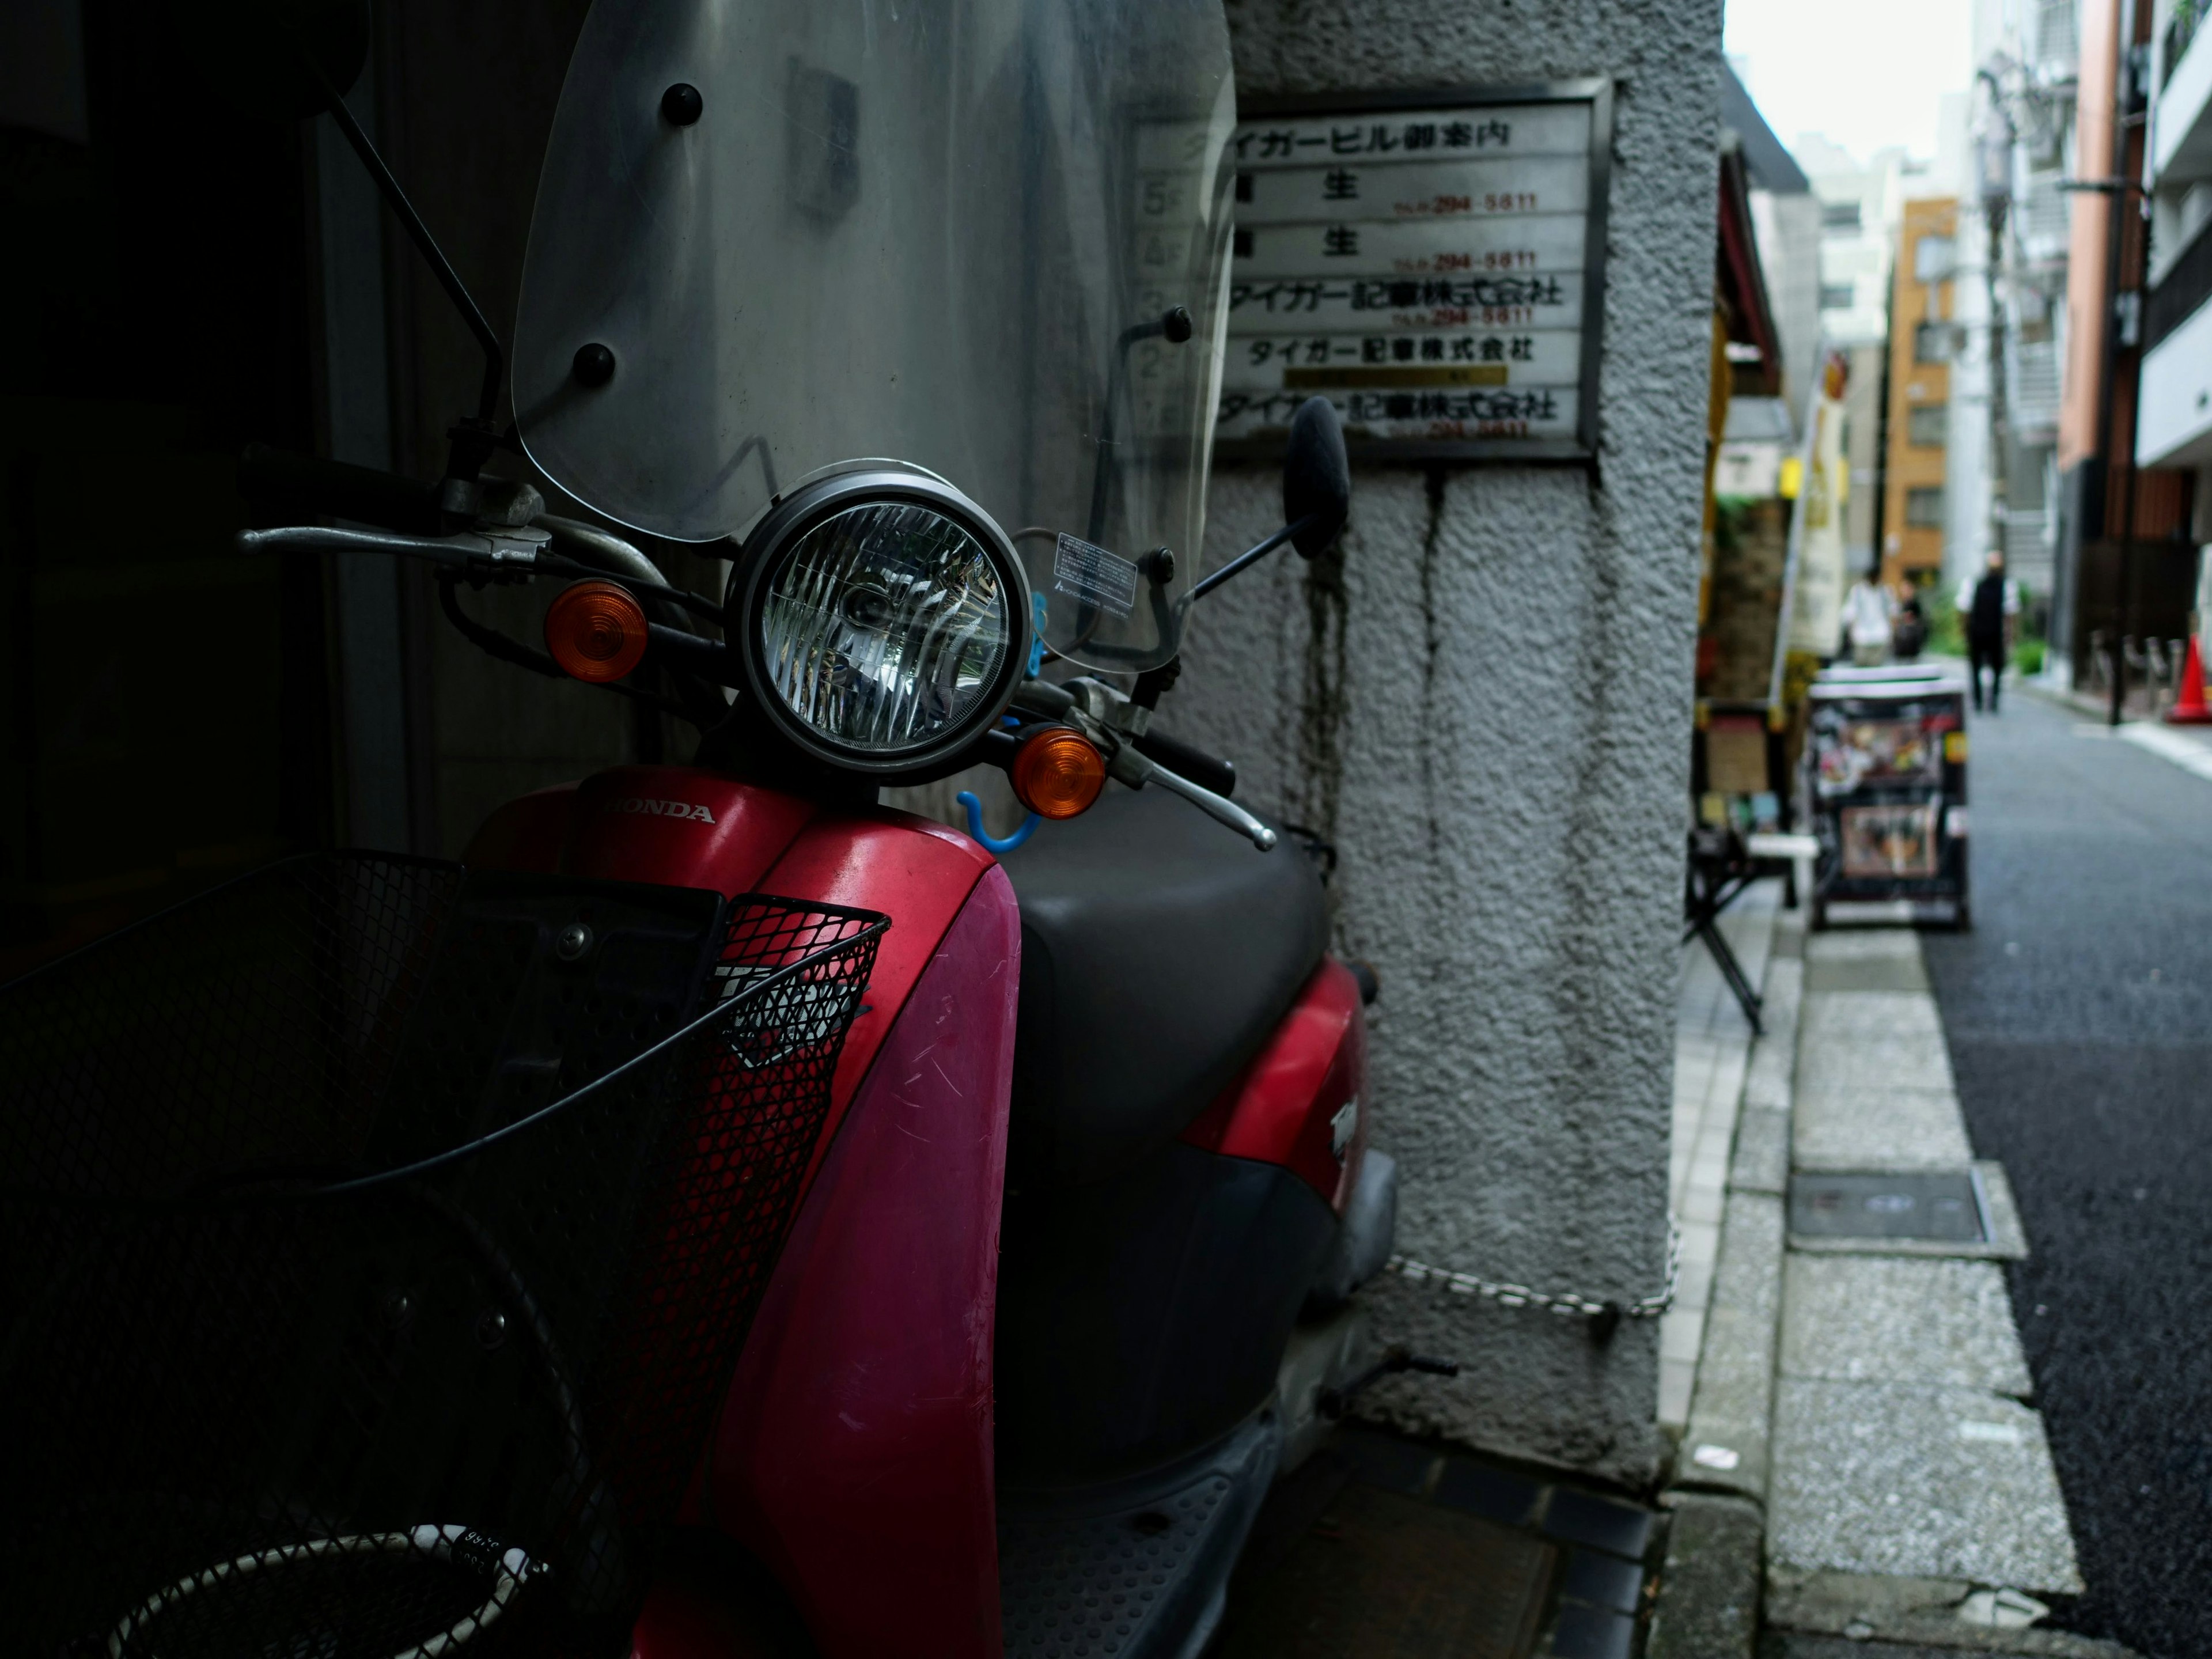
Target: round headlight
[885, 620]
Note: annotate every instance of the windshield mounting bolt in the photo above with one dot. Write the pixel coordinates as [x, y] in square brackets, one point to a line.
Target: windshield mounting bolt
[575, 940]
[1160, 565]
[1176, 324]
[593, 365]
[491, 1329]
[681, 105]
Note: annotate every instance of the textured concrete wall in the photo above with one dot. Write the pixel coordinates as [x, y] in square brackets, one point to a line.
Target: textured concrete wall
[1483, 700]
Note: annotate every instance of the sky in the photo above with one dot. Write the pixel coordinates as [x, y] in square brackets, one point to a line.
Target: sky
[1867, 73]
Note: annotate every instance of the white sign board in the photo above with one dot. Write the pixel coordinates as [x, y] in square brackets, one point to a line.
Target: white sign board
[1433, 265]
[1748, 466]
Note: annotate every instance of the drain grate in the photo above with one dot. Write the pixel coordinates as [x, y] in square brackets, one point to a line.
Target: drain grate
[1945, 1207]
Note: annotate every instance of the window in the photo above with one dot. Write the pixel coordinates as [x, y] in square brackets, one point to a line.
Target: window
[1931, 343]
[1925, 425]
[1934, 259]
[1923, 507]
[1839, 216]
[1837, 296]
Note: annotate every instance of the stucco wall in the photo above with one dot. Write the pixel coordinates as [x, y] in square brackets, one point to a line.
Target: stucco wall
[1483, 700]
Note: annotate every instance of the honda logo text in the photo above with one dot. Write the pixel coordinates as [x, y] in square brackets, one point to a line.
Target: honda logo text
[665, 809]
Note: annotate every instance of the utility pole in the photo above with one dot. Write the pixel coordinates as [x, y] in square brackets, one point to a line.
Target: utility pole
[1996, 200]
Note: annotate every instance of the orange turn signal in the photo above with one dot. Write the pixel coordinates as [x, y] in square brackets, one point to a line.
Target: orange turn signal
[1058, 773]
[596, 631]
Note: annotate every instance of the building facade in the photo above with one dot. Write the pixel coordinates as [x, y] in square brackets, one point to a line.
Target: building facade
[1923, 335]
[1861, 205]
[2014, 252]
[2174, 421]
[2126, 536]
[1786, 219]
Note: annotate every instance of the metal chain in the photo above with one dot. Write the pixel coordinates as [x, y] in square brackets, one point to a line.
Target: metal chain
[1569, 1303]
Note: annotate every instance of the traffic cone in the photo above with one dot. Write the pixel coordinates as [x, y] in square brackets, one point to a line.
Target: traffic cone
[2190, 708]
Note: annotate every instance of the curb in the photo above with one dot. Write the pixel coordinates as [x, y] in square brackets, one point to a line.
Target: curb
[1710, 1589]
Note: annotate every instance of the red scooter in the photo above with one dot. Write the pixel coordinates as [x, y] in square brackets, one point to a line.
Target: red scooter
[722, 1214]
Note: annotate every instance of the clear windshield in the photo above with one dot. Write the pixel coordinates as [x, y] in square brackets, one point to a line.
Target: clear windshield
[945, 231]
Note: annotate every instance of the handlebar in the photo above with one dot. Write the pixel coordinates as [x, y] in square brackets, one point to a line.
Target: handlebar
[1140, 756]
[500, 553]
[1200, 767]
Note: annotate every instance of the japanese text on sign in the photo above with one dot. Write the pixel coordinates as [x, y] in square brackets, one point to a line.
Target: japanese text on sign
[1427, 269]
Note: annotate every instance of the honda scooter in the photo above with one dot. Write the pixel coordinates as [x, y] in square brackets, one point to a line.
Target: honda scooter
[720, 1214]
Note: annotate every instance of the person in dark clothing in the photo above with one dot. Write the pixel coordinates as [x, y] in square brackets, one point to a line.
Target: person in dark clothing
[1909, 631]
[1988, 606]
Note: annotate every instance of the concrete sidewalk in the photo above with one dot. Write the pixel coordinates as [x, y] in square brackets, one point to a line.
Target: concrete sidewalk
[1712, 1058]
[1859, 1404]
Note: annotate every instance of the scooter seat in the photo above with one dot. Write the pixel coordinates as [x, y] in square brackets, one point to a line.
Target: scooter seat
[1159, 951]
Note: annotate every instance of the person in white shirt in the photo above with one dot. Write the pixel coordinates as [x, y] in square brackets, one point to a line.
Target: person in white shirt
[1869, 613]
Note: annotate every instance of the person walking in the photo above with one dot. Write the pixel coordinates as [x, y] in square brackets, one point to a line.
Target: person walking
[1868, 610]
[1909, 630]
[1989, 607]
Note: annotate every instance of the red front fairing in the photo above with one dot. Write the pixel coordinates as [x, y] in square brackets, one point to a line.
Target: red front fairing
[683, 827]
[854, 1453]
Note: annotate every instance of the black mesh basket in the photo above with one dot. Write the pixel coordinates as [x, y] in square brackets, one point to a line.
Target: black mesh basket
[376, 1238]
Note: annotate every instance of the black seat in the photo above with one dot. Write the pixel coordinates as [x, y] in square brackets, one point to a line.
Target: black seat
[1159, 950]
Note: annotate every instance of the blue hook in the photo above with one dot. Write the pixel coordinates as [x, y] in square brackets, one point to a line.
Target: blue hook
[974, 810]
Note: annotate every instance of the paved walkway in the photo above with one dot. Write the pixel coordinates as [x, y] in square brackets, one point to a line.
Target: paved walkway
[1903, 1447]
[1712, 1058]
[1866, 1403]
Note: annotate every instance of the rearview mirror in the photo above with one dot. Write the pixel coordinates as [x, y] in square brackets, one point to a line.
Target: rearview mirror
[255, 56]
[1316, 477]
[1317, 494]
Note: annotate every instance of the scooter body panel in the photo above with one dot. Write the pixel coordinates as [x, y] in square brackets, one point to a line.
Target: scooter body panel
[854, 1452]
[1297, 1103]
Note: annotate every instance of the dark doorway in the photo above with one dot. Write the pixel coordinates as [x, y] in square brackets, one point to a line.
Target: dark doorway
[163, 707]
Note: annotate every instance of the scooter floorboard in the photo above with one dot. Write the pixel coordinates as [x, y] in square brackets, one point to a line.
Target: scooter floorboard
[1137, 1569]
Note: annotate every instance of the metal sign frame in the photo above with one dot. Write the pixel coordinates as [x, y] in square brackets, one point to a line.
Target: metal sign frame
[1597, 93]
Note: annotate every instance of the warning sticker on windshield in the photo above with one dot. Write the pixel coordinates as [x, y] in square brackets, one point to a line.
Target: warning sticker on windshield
[1093, 575]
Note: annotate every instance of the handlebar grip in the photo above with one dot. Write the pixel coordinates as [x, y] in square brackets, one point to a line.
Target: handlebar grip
[1200, 767]
[339, 490]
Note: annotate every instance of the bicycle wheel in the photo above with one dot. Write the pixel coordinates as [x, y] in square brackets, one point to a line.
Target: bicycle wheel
[414, 1595]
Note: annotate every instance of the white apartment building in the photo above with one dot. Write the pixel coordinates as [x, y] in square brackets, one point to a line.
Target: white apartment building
[1861, 203]
[2012, 292]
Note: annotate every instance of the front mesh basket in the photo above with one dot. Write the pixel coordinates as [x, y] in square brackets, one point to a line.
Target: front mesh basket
[376, 1240]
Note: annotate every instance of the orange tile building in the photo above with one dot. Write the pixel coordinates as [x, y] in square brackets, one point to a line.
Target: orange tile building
[1921, 341]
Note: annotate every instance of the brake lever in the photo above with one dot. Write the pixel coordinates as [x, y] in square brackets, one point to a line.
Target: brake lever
[503, 555]
[1134, 769]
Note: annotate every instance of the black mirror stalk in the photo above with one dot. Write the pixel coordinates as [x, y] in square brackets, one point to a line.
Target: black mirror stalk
[1250, 557]
[1316, 493]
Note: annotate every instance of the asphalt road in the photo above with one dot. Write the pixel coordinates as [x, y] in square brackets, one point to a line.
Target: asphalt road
[2080, 1017]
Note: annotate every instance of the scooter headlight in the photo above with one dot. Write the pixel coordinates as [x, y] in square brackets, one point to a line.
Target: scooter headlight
[885, 620]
